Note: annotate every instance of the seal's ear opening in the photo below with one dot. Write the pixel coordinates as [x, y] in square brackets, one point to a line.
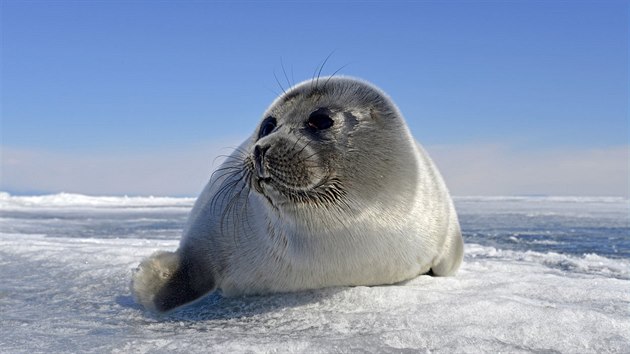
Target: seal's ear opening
[161, 283]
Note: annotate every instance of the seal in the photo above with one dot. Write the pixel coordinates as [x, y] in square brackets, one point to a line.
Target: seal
[330, 190]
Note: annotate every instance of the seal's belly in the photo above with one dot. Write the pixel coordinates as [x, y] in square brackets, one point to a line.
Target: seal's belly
[372, 262]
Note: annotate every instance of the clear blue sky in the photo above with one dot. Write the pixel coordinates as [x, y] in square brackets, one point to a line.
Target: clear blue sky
[125, 77]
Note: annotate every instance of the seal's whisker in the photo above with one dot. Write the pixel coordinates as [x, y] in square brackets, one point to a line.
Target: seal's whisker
[227, 165]
[285, 73]
[224, 167]
[230, 168]
[233, 199]
[231, 207]
[242, 154]
[221, 194]
[278, 81]
[309, 156]
[302, 149]
[232, 157]
[231, 175]
[312, 83]
[227, 179]
[333, 74]
[245, 207]
[233, 148]
[315, 167]
[321, 67]
[275, 93]
[295, 143]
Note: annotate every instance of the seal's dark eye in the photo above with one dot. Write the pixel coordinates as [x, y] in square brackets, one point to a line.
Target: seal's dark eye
[267, 126]
[320, 119]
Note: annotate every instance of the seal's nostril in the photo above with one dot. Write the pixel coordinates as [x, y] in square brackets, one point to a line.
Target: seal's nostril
[259, 152]
[259, 156]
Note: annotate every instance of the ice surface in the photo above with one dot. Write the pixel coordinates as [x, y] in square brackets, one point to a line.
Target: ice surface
[574, 225]
[70, 294]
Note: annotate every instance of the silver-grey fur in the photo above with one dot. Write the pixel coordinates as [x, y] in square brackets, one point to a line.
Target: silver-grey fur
[296, 207]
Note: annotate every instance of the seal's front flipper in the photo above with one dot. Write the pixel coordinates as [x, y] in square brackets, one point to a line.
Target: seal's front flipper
[162, 283]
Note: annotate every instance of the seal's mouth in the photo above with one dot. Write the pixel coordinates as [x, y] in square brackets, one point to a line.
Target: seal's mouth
[257, 183]
[327, 192]
[274, 191]
[264, 187]
[290, 178]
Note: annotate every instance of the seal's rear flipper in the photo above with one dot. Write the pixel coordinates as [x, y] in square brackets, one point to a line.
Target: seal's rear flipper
[162, 283]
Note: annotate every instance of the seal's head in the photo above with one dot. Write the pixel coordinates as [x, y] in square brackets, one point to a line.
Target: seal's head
[335, 143]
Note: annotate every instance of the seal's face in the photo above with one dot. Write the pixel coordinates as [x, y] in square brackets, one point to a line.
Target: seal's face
[293, 158]
[327, 145]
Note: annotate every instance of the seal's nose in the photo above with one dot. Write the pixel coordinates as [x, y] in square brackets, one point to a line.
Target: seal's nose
[259, 159]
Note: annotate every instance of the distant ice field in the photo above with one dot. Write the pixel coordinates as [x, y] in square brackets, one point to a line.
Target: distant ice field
[545, 274]
[568, 225]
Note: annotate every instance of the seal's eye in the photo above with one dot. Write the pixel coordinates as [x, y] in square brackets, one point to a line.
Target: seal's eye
[267, 126]
[320, 119]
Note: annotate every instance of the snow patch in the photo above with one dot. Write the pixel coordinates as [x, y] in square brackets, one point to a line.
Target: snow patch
[70, 201]
[72, 295]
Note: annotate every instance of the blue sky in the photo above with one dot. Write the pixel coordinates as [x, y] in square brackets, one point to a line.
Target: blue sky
[138, 97]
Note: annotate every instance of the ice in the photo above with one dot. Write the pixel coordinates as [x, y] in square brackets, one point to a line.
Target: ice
[602, 207]
[70, 294]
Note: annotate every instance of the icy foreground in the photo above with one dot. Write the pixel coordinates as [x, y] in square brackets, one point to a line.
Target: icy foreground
[70, 294]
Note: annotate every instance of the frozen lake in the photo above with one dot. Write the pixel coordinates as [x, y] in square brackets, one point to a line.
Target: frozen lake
[540, 274]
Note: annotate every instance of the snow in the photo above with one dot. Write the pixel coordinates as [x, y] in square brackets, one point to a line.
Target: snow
[70, 201]
[71, 294]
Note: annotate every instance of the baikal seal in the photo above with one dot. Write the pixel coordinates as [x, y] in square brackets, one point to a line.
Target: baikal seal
[330, 190]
